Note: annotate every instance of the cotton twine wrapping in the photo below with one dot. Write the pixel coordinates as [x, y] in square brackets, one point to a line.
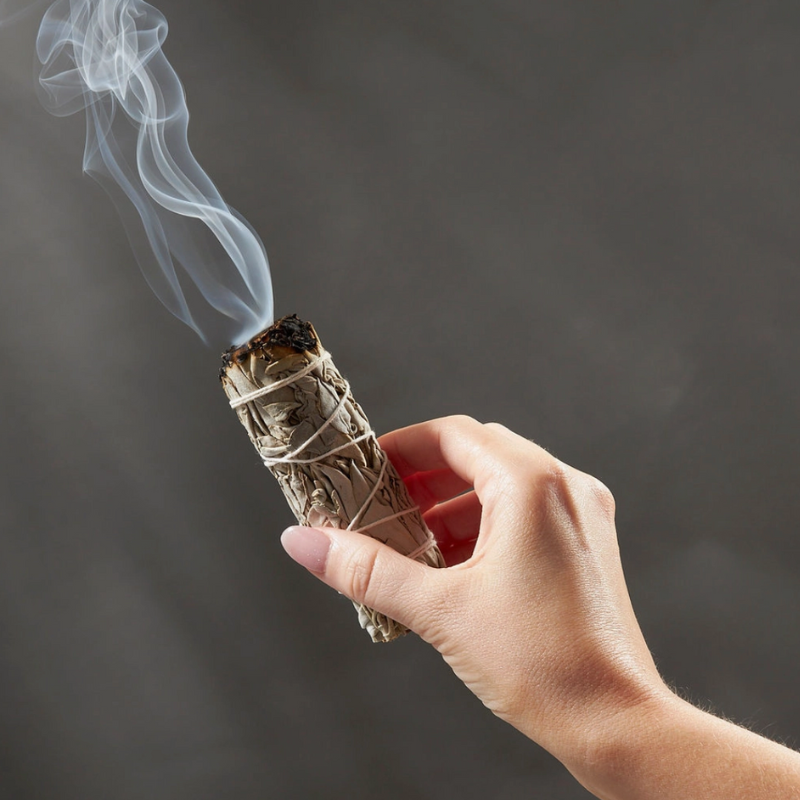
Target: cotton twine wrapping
[312, 435]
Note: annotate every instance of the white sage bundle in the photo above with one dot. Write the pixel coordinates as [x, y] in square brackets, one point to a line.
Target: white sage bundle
[303, 421]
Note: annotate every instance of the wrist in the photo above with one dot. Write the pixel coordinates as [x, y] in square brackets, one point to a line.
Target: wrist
[604, 723]
[620, 744]
[667, 748]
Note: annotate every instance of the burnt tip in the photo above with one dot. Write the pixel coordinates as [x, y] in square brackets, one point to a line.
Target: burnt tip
[289, 333]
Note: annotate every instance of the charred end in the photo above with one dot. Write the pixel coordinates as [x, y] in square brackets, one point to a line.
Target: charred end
[287, 335]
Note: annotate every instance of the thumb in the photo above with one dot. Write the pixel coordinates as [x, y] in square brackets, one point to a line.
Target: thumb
[366, 571]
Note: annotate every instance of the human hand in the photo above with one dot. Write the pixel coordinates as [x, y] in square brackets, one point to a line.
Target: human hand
[533, 615]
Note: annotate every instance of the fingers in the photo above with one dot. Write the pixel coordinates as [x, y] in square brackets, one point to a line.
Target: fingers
[367, 571]
[455, 526]
[477, 454]
[456, 521]
[429, 488]
[439, 444]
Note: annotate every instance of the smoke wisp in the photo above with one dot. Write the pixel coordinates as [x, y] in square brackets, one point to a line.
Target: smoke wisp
[200, 257]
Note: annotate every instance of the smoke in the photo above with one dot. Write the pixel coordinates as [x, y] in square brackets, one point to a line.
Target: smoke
[201, 258]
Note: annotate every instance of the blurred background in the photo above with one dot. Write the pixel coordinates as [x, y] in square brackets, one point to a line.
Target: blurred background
[577, 219]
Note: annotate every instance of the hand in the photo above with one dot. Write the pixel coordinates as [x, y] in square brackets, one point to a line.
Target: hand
[533, 615]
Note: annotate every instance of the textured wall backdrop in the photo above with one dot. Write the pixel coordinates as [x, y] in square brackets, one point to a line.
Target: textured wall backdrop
[578, 219]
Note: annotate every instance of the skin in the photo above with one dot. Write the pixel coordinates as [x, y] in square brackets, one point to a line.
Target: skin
[533, 615]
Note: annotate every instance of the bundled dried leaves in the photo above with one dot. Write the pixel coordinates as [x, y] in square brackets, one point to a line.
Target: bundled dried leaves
[301, 417]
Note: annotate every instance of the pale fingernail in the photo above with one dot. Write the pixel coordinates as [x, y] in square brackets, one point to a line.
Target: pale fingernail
[307, 546]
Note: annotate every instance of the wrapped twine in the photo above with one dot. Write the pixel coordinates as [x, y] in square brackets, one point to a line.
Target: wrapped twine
[302, 419]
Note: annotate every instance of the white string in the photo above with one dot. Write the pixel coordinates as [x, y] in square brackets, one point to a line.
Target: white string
[423, 548]
[386, 519]
[269, 462]
[273, 387]
[291, 458]
[357, 518]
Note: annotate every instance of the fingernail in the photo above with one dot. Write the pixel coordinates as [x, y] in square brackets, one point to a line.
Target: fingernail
[307, 546]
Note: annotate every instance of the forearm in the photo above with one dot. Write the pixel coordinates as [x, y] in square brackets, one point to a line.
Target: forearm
[672, 750]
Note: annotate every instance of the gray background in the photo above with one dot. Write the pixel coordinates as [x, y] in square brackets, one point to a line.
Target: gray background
[579, 219]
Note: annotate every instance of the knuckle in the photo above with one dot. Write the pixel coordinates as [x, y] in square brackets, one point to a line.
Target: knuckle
[563, 490]
[496, 426]
[560, 475]
[461, 421]
[553, 486]
[557, 494]
[360, 575]
[603, 498]
[559, 486]
[499, 432]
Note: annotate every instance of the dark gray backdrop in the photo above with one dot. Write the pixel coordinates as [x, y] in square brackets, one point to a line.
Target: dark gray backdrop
[577, 219]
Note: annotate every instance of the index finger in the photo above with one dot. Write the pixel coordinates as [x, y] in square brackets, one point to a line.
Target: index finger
[471, 450]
